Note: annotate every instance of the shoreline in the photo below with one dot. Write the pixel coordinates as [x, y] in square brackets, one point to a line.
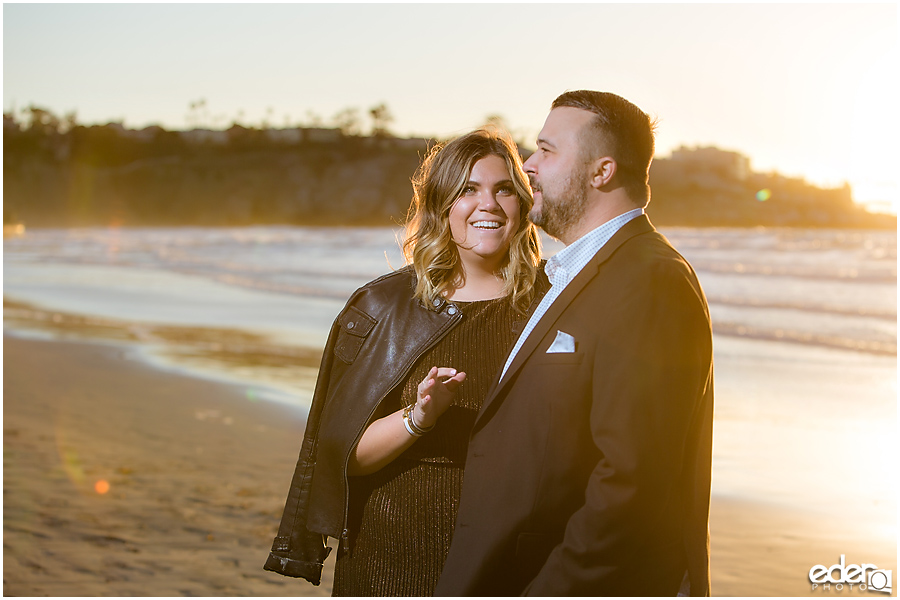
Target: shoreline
[283, 372]
[265, 358]
[197, 473]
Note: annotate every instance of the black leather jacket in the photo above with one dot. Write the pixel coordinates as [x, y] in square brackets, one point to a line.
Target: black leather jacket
[372, 346]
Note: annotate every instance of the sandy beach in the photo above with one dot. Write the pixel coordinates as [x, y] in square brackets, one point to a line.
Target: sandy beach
[197, 474]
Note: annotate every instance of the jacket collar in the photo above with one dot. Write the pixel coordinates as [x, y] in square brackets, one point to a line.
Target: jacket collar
[636, 226]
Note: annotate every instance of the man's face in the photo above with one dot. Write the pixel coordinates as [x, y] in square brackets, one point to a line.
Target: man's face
[559, 174]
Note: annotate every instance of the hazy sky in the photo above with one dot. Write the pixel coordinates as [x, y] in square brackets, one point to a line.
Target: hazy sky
[806, 89]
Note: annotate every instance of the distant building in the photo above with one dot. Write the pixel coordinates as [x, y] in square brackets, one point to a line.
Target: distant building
[411, 143]
[293, 135]
[204, 136]
[321, 135]
[118, 127]
[147, 134]
[730, 165]
[9, 123]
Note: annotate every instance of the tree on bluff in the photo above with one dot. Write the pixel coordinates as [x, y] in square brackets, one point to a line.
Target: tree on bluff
[381, 118]
[348, 121]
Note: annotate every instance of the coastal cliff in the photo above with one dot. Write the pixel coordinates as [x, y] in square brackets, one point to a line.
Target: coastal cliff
[58, 176]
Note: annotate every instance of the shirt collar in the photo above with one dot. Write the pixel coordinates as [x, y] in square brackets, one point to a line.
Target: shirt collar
[563, 266]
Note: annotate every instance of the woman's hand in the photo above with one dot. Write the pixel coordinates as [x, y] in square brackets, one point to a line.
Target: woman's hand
[435, 394]
[387, 438]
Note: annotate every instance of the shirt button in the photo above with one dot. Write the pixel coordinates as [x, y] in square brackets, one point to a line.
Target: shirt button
[437, 302]
[452, 310]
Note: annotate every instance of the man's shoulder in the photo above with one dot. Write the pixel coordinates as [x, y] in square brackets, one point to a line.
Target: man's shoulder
[652, 248]
[648, 261]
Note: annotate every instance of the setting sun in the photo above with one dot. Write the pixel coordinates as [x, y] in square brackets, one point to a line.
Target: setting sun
[874, 132]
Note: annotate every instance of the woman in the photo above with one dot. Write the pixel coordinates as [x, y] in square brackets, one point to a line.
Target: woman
[407, 364]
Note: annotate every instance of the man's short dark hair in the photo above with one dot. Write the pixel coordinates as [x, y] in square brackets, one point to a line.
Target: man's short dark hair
[625, 131]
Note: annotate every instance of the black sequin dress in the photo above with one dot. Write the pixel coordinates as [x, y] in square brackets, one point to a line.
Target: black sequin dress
[401, 517]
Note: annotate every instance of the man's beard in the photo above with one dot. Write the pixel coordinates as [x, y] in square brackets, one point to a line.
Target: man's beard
[558, 214]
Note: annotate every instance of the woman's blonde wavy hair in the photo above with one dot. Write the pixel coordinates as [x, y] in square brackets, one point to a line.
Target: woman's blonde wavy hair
[437, 184]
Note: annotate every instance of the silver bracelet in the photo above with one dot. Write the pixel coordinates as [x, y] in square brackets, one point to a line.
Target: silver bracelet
[409, 422]
[408, 428]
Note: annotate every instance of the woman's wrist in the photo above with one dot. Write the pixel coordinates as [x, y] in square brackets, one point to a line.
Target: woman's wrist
[411, 424]
[420, 419]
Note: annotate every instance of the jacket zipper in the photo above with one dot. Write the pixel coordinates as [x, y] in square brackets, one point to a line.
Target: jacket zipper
[345, 534]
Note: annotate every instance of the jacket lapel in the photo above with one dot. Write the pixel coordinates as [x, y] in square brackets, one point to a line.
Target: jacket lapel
[636, 226]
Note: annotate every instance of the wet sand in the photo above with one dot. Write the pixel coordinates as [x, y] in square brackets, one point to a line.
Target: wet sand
[768, 550]
[287, 371]
[197, 477]
[198, 471]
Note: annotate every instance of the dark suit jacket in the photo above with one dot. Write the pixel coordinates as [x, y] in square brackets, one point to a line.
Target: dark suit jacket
[588, 473]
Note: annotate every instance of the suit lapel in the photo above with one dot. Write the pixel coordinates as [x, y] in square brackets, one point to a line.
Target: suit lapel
[636, 226]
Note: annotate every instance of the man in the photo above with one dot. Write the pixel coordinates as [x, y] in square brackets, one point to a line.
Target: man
[588, 470]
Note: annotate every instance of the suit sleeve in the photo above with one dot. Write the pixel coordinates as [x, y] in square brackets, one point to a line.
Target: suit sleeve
[651, 370]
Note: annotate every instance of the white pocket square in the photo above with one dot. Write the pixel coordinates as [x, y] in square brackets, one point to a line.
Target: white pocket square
[563, 343]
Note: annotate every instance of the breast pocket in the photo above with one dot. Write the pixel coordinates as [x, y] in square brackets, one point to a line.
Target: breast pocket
[355, 326]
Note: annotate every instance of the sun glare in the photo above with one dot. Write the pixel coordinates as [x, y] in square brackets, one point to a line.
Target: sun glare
[874, 133]
[880, 198]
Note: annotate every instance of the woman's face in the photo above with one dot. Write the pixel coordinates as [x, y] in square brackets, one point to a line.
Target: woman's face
[484, 219]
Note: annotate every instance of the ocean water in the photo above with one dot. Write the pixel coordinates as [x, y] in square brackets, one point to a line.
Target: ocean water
[824, 287]
[805, 333]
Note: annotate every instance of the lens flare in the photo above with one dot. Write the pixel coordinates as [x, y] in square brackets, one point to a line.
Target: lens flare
[101, 487]
[763, 194]
[71, 463]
